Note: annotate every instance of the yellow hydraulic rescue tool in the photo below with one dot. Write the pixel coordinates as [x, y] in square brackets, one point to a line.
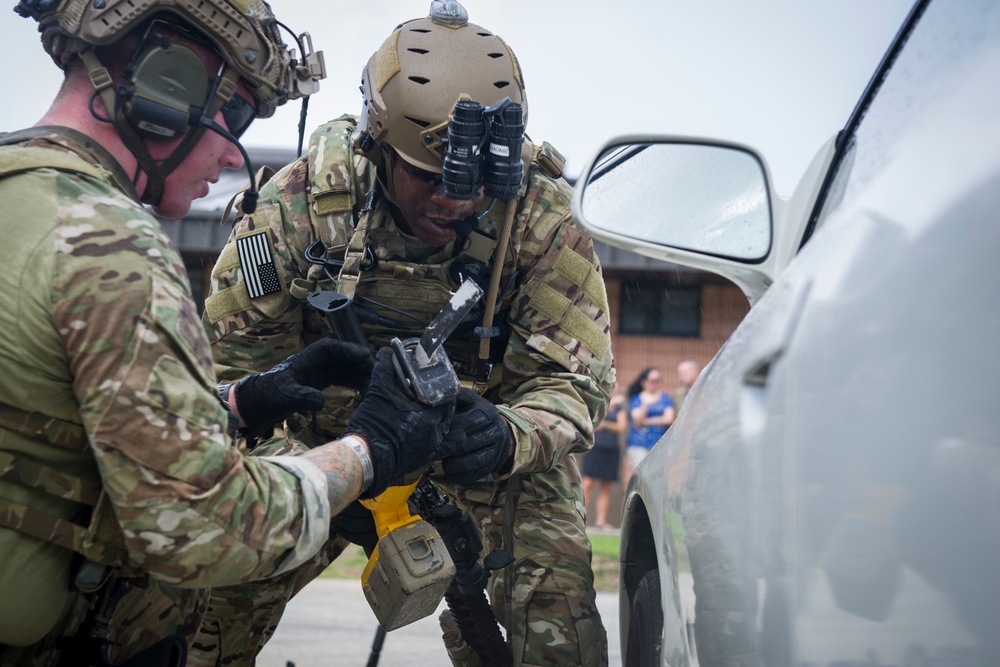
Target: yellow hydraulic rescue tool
[410, 569]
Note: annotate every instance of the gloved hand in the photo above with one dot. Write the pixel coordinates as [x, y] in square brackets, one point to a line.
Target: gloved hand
[478, 443]
[356, 524]
[295, 384]
[402, 434]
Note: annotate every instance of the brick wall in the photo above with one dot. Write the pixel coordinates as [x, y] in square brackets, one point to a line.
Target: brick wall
[723, 308]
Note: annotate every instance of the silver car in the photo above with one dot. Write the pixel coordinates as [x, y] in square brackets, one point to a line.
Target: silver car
[829, 495]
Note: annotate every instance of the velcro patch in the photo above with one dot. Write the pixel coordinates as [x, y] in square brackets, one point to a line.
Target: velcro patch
[594, 288]
[582, 328]
[332, 202]
[549, 302]
[228, 259]
[386, 61]
[226, 302]
[259, 273]
[573, 266]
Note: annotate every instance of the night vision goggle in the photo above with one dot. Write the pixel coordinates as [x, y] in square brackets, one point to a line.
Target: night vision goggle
[483, 147]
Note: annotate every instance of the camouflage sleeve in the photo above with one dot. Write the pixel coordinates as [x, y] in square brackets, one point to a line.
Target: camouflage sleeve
[247, 334]
[558, 371]
[193, 511]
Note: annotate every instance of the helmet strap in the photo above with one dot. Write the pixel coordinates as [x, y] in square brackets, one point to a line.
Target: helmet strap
[104, 85]
[384, 172]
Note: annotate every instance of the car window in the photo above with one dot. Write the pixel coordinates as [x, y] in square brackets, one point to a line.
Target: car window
[950, 38]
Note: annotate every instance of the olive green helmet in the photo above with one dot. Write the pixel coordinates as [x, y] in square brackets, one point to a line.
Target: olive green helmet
[411, 84]
[244, 32]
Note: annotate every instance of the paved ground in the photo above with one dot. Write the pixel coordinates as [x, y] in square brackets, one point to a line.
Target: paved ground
[329, 623]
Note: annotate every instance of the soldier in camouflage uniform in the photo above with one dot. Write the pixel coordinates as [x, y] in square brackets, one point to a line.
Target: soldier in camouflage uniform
[122, 498]
[369, 200]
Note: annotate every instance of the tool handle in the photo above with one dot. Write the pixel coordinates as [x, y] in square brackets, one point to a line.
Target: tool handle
[390, 509]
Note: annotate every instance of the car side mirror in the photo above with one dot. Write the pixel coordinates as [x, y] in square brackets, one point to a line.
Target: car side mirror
[704, 198]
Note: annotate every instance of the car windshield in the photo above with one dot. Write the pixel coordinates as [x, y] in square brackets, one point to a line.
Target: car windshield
[950, 38]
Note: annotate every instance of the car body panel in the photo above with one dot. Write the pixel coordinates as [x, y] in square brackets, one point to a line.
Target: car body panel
[829, 494]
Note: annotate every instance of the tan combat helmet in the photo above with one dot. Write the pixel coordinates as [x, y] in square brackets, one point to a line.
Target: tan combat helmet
[411, 84]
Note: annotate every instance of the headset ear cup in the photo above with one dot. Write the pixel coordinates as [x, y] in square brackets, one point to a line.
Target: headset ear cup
[166, 81]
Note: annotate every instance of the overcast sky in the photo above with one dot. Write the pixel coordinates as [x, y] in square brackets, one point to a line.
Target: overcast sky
[779, 75]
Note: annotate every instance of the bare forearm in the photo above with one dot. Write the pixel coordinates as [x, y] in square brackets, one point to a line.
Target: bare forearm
[343, 469]
[666, 419]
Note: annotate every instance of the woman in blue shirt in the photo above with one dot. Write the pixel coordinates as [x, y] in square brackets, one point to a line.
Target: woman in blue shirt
[651, 412]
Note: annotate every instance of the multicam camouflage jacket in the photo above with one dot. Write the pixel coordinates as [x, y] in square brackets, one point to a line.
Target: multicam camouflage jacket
[103, 350]
[553, 363]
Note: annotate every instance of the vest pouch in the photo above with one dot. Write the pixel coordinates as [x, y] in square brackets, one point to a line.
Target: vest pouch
[422, 293]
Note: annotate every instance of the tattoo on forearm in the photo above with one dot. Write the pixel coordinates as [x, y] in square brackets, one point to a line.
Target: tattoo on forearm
[343, 473]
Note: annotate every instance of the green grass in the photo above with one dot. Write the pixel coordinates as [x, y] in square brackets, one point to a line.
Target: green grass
[605, 545]
[350, 565]
[352, 562]
[605, 561]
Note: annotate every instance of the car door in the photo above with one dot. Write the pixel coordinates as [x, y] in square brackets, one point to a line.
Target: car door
[844, 470]
[887, 387]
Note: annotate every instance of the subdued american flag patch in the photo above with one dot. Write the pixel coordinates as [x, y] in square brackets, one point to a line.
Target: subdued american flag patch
[259, 274]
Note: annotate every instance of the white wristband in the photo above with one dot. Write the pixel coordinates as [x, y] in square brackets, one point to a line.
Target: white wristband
[355, 443]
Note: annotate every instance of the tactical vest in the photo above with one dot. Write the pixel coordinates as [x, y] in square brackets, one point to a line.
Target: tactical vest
[33, 448]
[421, 289]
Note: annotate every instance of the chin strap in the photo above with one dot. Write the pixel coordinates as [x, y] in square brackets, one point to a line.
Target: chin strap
[383, 173]
[104, 85]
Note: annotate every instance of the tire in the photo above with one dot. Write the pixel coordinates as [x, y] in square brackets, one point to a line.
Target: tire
[645, 628]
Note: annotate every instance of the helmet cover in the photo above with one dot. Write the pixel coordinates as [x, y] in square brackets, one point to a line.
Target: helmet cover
[411, 84]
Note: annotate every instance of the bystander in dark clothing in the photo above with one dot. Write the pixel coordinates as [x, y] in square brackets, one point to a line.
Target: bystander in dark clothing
[601, 463]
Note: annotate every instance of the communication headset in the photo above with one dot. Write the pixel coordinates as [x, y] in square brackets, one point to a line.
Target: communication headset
[165, 89]
[168, 91]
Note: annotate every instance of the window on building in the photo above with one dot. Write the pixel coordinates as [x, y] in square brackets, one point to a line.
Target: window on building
[650, 308]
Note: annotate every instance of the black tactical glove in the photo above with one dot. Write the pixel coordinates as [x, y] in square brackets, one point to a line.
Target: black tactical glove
[296, 384]
[478, 443]
[356, 524]
[403, 435]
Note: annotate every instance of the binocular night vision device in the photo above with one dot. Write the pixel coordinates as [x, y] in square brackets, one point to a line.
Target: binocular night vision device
[484, 147]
